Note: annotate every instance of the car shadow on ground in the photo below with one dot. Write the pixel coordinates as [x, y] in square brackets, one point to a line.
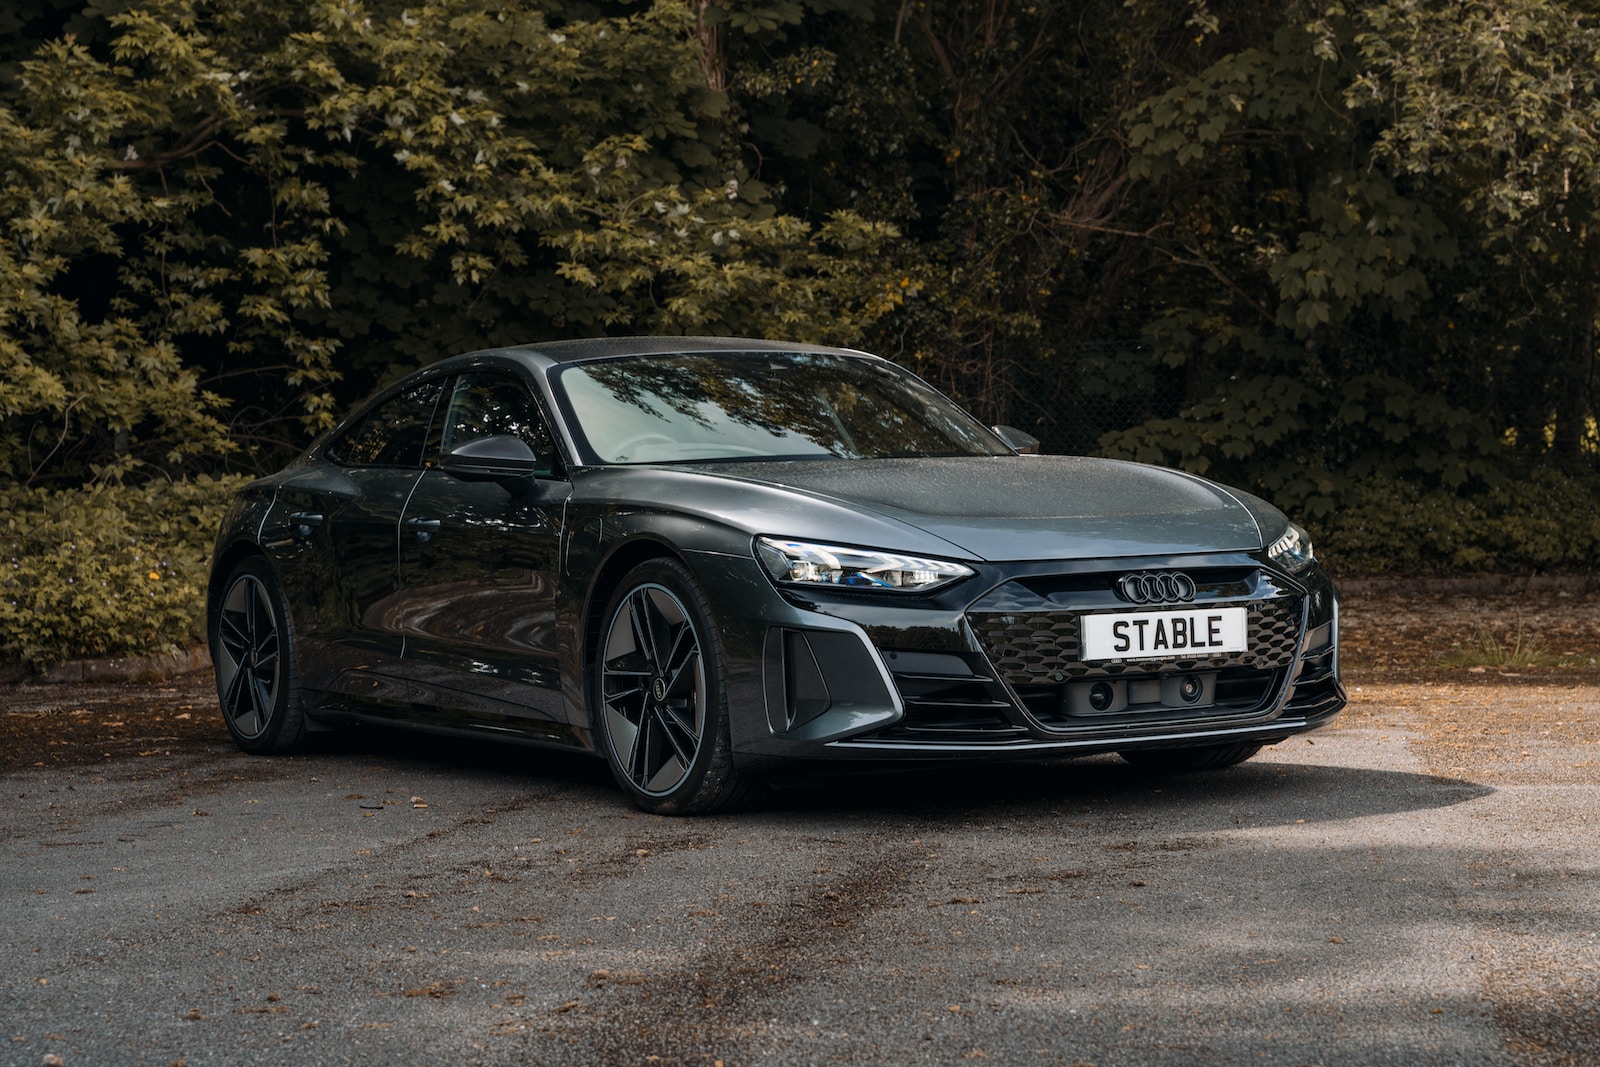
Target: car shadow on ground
[1257, 793]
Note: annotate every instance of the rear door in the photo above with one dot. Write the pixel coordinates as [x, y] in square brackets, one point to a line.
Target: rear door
[338, 525]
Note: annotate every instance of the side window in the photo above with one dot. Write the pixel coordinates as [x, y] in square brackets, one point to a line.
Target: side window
[392, 434]
[487, 404]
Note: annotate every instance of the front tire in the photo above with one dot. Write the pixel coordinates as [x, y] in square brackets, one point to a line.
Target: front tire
[252, 651]
[1183, 760]
[661, 708]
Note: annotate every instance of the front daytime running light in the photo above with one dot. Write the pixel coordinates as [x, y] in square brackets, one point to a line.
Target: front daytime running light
[1292, 551]
[801, 563]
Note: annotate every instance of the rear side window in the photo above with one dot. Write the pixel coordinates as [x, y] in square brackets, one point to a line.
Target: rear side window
[394, 433]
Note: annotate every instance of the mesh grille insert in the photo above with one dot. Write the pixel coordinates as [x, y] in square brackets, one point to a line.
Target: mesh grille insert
[1033, 641]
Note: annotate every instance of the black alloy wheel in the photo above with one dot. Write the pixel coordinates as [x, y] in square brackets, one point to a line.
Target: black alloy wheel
[661, 715]
[252, 651]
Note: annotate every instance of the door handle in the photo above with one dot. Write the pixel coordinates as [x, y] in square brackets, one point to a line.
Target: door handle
[423, 528]
[304, 522]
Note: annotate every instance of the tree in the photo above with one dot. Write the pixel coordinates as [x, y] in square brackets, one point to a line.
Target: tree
[82, 370]
[1344, 194]
[985, 131]
[246, 203]
[1499, 104]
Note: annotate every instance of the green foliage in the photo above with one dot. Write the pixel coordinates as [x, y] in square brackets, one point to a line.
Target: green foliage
[1308, 443]
[79, 381]
[1543, 521]
[975, 130]
[105, 571]
[1403, 193]
[1497, 107]
[255, 213]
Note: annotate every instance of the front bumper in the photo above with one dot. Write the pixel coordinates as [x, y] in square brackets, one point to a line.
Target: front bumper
[1002, 673]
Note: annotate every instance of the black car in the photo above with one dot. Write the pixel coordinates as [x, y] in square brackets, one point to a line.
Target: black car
[703, 558]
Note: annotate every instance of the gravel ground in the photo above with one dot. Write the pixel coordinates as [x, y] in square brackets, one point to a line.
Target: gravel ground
[1417, 884]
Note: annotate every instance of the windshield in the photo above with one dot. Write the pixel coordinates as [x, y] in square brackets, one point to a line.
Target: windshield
[761, 405]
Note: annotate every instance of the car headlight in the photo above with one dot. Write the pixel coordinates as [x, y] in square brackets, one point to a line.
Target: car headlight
[802, 563]
[1292, 551]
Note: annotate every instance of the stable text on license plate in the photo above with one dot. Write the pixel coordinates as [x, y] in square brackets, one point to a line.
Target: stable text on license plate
[1164, 634]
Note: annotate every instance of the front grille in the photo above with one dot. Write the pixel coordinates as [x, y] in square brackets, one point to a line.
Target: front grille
[1044, 645]
[1030, 632]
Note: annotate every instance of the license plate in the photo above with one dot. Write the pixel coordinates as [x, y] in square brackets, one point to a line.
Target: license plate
[1164, 634]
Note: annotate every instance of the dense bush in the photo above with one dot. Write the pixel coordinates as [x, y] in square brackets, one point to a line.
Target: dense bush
[106, 570]
[1544, 521]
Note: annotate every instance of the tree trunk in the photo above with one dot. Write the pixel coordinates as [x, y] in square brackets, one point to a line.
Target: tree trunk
[1575, 391]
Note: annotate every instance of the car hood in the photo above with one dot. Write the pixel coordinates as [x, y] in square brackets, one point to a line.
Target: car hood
[1010, 507]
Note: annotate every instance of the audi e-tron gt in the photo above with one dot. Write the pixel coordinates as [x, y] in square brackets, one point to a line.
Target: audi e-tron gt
[704, 558]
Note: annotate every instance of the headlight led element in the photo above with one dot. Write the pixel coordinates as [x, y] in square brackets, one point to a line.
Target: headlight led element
[803, 563]
[1292, 551]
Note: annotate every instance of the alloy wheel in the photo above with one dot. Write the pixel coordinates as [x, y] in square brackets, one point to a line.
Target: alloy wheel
[249, 658]
[653, 689]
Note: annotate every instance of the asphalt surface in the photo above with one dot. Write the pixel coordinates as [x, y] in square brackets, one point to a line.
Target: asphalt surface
[1415, 885]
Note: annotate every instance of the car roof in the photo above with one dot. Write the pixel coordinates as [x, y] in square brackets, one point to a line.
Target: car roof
[576, 351]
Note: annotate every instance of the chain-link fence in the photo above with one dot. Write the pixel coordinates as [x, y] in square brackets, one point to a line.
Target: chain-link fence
[1070, 395]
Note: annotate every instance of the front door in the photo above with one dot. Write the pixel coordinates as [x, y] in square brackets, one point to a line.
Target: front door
[479, 568]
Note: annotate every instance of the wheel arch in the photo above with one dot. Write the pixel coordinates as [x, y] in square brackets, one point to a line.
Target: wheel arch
[608, 577]
[709, 779]
[222, 565]
[282, 718]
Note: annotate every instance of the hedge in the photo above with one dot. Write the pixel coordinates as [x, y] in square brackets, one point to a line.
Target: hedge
[107, 570]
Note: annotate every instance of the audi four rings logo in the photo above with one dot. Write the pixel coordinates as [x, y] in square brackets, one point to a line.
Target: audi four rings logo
[1155, 587]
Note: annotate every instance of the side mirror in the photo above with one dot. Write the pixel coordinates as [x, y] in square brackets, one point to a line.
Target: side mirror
[1019, 441]
[503, 458]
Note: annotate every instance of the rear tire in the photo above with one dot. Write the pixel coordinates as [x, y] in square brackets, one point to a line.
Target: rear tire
[1183, 760]
[252, 652]
[660, 695]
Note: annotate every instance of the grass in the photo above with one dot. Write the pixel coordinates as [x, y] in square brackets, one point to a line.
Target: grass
[1517, 650]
